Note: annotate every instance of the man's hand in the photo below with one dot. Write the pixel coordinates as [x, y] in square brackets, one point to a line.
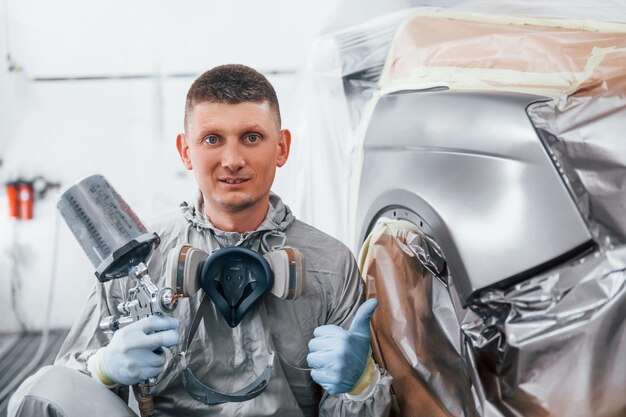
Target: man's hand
[129, 358]
[338, 357]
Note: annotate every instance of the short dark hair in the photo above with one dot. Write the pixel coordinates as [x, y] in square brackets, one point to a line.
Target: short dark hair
[232, 84]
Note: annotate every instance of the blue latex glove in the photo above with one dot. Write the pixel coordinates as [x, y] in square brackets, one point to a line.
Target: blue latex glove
[337, 356]
[129, 358]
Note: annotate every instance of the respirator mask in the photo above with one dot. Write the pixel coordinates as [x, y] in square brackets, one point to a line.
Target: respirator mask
[234, 279]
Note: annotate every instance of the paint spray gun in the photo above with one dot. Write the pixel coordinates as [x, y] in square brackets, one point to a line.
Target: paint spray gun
[118, 245]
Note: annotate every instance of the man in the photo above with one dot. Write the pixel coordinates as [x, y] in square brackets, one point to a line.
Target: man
[233, 143]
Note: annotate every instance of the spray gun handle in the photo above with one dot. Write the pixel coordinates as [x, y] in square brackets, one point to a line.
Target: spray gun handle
[113, 323]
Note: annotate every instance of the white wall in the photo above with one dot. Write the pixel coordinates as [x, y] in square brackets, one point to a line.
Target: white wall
[74, 37]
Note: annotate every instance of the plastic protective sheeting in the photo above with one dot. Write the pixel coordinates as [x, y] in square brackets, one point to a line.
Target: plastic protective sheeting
[585, 132]
[341, 74]
[550, 346]
[421, 352]
[549, 57]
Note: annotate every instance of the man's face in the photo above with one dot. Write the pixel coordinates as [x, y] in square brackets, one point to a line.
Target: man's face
[234, 150]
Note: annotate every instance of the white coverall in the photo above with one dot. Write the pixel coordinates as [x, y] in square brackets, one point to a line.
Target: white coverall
[225, 358]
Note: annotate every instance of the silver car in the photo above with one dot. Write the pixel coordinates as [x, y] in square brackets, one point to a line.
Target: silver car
[496, 220]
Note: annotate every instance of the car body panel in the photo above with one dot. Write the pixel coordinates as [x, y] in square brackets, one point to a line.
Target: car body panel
[471, 164]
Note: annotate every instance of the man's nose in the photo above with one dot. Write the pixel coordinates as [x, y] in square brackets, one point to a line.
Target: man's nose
[232, 157]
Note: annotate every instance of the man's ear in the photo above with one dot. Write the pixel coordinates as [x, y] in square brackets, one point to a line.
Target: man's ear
[183, 150]
[284, 143]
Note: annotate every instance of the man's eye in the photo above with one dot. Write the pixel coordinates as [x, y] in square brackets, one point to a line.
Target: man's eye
[252, 138]
[211, 140]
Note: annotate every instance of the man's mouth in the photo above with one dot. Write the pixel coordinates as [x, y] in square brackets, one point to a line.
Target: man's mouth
[233, 180]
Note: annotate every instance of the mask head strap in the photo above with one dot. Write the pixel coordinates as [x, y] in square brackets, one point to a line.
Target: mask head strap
[266, 247]
[209, 396]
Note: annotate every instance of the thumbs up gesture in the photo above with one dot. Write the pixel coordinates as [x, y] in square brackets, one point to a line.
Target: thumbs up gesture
[338, 357]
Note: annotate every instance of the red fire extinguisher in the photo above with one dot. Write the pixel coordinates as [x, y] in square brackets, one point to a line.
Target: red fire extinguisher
[25, 190]
[11, 188]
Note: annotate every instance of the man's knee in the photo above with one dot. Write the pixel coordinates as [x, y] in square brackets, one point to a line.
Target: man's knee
[61, 391]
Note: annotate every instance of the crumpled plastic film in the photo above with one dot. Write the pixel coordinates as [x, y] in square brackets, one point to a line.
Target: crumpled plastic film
[585, 132]
[552, 345]
[416, 333]
[428, 252]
